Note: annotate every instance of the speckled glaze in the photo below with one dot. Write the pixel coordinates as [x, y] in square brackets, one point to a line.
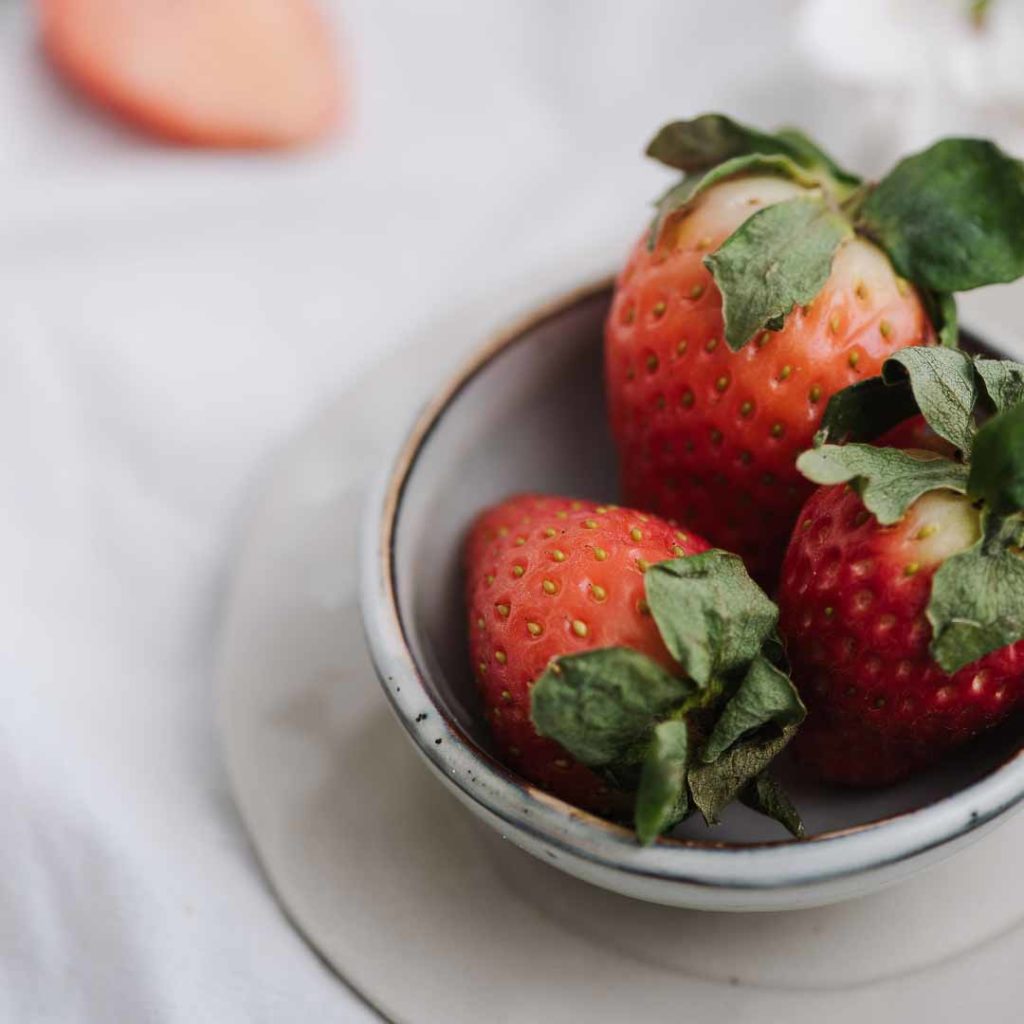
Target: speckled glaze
[527, 414]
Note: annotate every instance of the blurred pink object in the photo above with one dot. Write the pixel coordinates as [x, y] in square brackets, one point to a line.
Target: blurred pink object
[223, 73]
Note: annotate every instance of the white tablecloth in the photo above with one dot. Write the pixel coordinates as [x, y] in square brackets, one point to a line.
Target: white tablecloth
[168, 318]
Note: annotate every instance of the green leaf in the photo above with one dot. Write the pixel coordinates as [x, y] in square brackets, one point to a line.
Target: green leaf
[599, 704]
[1003, 381]
[712, 616]
[997, 463]
[710, 139]
[693, 185]
[813, 156]
[941, 383]
[866, 410]
[950, 217]
[941, 310]
[618, 711]
[766, 696]
[945, 388]
[889, 480]
[977, 599]
[778, 258]
[661, 799]
[765, 795]
[715, 786]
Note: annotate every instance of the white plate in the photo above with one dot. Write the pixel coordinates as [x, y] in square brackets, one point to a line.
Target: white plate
[430, 917]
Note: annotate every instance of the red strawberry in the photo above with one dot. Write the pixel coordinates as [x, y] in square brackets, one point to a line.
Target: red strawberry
[711, 435]
[622, 664]
[902, 591]
[853, 600]
[771, 279]
[548, 577]
[206, 72]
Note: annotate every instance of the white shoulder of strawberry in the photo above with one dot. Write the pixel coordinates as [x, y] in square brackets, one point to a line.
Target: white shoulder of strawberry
[976, 604]
[948, 219]
[696, 739]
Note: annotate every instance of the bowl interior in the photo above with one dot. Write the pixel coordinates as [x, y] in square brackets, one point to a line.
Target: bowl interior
[529, 415]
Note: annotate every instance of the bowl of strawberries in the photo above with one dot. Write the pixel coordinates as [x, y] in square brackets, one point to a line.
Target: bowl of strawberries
[705, 584]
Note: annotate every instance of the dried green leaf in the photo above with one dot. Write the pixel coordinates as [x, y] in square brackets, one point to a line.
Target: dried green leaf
[997, 462]
[599, 704]
[715, 786]
[766, 696]
[889, 480]
[977, 599]
[766, 796]
[710, 139]
[945, 389]
[778, 258]
[865, 410]
[712, 616]
[1003, 381]
[661, 799]
[811, 155]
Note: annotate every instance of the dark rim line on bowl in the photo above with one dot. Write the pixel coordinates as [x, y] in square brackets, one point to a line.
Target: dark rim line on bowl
[396, 481]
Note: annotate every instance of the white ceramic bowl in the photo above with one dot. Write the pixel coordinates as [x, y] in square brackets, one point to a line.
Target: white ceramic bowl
[527, 413]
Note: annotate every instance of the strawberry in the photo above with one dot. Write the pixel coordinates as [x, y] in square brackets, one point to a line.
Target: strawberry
[854, 601]
[575, 606]
[574, 582]
[902, 593]
[770, 280]
[205, 72]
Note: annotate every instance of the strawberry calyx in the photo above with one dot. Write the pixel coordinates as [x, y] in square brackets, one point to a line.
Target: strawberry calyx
[696, 738]
[976, 604]
[947, 217]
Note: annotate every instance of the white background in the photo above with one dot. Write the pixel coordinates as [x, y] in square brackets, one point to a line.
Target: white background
[167, 319]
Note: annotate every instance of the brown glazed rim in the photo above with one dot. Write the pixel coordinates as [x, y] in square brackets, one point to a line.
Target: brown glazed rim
[402, 467]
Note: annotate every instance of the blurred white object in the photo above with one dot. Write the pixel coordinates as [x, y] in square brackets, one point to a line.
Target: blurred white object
[926, 68]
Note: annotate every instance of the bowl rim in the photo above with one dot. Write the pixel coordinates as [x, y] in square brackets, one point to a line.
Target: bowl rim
[485, 781]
